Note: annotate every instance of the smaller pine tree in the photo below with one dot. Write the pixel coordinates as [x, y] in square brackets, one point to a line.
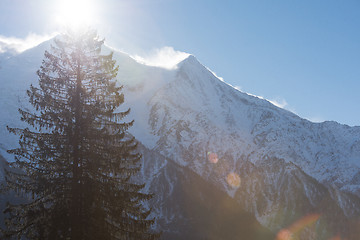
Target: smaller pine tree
[76, 160]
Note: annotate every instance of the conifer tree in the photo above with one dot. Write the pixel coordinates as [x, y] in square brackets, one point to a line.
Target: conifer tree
[76, 158]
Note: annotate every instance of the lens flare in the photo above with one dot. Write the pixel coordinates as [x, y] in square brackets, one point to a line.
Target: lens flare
[287, 234]
[233, 180]
[304, 222]
[212, 157]
[284, 234]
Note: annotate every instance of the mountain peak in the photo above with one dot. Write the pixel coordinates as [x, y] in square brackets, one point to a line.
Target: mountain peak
[191, 60]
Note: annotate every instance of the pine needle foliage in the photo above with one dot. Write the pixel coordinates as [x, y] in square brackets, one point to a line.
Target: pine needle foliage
[76, 158]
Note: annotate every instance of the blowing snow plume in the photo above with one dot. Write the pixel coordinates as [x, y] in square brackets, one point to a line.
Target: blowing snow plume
[18, 45]
[165, 57]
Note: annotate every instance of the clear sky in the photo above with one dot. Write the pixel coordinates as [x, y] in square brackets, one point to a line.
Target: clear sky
[302, 54]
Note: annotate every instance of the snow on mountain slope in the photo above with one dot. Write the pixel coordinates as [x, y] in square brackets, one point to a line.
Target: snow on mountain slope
[189, 116]
[16, 74]
[188, 107]
[19, 71]
[140, 82]
[197, 113]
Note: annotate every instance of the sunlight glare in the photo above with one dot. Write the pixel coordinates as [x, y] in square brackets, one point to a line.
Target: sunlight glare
[75, 14]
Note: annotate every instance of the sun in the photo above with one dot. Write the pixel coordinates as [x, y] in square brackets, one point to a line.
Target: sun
[75, 13]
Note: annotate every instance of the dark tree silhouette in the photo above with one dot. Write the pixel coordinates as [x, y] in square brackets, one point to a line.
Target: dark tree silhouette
[76, 158]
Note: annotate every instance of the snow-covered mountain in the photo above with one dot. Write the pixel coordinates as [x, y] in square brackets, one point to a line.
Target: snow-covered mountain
[274, 164]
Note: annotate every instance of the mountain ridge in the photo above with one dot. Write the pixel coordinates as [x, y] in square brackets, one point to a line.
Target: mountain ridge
[191, 117]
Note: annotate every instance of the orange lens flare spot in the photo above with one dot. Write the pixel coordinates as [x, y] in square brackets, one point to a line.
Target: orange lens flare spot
[213, 157]
[284, 234]
[298, 226]
[233, 180]
[304, 222]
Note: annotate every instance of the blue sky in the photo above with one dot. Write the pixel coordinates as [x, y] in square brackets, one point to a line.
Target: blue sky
[305, 55]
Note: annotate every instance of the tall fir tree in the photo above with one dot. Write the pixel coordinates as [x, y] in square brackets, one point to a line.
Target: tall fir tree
[76, 159]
